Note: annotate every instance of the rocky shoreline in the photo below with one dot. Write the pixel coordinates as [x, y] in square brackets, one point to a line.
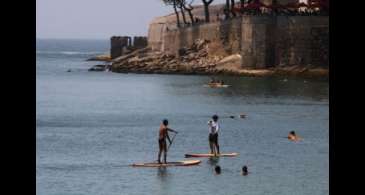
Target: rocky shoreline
[198, 59]
[104, 57]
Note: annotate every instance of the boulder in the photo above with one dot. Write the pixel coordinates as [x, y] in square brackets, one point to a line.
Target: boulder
[99, 68]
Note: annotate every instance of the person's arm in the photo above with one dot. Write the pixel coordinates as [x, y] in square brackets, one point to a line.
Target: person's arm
[168, 137]
[171, 130]
[216, 128]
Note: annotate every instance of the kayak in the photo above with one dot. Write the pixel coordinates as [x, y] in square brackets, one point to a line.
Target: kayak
[216, 85]
[233, 154]
[178, 163]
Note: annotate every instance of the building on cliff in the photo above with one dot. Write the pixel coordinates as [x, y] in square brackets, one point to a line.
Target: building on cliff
[261, 40]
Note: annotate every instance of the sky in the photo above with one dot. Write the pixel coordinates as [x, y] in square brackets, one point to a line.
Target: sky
[98, 19]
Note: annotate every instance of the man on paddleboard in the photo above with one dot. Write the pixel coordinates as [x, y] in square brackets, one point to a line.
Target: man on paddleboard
[213, 135]
[163, 134]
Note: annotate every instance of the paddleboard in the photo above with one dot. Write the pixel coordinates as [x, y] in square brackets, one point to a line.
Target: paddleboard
[178, 163]
[212, 155]
[216, 86]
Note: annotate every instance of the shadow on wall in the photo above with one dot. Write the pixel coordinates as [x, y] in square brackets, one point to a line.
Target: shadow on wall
[230, 35]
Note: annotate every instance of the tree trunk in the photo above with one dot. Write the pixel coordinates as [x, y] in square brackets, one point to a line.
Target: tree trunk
[190, 15]
[232, 8]
[206, 10]
[189, 12]
[177, 16]
[226, 9]
[183, 14]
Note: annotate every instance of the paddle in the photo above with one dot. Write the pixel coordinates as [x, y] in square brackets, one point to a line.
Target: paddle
[234, 117]
[171, 141]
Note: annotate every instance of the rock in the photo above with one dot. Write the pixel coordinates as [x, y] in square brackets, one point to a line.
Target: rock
[104, 57]
[232, 59]
[134, 53]
[99, 68]
[133, 59]
[182, 51]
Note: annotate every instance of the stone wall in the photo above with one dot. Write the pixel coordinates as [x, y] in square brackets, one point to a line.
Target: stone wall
[139, 42]
[173, 40]
[225, 34]
[302, 40]
[258, 36]
[119, 45]
[262, 41]
[155, 35]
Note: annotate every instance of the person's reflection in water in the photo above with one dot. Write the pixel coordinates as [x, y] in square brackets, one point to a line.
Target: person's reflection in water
[213, 161]
[162, 172]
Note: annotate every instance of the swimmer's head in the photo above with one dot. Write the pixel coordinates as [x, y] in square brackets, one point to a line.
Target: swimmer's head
[217, 169]
[244, 170]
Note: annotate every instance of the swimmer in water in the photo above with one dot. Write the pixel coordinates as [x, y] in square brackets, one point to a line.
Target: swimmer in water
[244, 170]
[217, 170]
[293, 137]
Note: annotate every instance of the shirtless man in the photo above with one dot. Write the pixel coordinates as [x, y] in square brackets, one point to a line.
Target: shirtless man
[163, 134]
[293, 137]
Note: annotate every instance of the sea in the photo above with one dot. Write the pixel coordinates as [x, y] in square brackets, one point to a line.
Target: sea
[91, 126]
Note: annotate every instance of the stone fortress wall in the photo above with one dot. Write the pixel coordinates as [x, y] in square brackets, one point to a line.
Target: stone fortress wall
[262, 41]
[120, 45]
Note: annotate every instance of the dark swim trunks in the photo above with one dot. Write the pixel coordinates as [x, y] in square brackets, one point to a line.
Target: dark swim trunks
[213, 137]
[162, 144]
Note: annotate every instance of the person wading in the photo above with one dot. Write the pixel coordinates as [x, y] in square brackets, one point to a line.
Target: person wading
[213, 135]
[163, 134]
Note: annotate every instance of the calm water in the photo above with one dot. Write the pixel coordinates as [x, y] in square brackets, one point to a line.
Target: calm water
[91, 125]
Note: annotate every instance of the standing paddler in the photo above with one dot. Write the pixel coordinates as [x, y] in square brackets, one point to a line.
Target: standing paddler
[163, 134]
[213, 135]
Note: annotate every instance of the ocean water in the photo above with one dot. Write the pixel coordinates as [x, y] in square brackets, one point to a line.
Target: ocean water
[92, 125]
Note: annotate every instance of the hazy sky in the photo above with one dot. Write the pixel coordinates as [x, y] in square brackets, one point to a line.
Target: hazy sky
[97, 19]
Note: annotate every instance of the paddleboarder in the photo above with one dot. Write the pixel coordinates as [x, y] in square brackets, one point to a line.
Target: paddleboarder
[213, 135]
[163, 134]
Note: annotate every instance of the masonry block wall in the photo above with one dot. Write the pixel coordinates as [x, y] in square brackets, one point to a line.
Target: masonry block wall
[139, 42]
[120, 44]
[262, 41]
[117, 45]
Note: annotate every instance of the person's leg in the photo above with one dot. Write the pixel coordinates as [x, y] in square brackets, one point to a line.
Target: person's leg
[212, 148]
[211, 144]
[159, 152]
[216, 143]
[165, 152]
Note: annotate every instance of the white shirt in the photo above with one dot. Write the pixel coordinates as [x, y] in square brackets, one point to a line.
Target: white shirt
[213, 127]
